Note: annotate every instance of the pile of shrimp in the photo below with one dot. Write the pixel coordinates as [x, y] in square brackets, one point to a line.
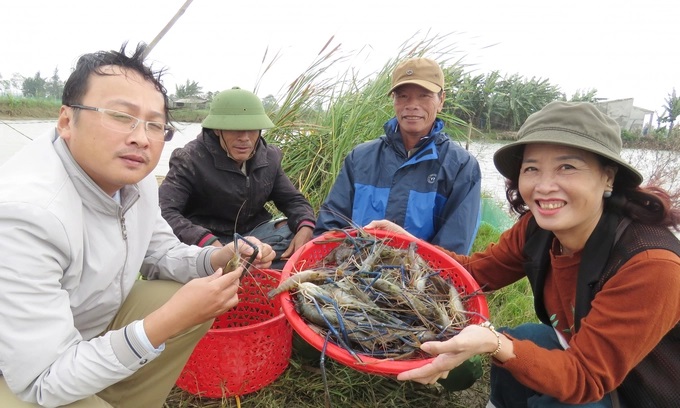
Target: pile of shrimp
[374, 299]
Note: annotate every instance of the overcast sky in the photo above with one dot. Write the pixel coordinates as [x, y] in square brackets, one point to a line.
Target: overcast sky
[623, 49]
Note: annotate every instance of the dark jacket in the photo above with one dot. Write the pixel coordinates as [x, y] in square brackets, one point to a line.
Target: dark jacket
[434, 194]
[206, 193]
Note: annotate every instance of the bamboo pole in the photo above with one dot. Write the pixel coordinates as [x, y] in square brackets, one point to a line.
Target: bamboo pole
[167, 27]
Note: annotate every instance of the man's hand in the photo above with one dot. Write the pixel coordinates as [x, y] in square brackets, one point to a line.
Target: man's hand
[225, 254]
[197, 301]
[203, 299]
[387, 226]
[303, 236]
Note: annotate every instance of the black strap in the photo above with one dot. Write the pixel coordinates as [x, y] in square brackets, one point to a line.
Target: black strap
[537, 254]
[593, 262]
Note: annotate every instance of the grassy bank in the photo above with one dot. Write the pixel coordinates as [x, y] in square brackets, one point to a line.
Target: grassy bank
[189, 115]
[12, 107]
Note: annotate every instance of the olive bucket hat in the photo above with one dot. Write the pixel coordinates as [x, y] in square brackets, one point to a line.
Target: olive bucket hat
[575, 124]
[237, 109]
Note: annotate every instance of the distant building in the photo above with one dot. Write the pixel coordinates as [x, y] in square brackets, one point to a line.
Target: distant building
[190, 103]
[628, 116]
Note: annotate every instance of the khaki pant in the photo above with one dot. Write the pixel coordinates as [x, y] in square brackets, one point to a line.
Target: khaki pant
[150, 385]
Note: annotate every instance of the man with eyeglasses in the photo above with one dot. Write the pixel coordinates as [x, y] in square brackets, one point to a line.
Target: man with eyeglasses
[124, 123]
[79, 223]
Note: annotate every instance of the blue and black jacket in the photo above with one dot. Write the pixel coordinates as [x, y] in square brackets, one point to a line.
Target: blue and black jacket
[434, 193]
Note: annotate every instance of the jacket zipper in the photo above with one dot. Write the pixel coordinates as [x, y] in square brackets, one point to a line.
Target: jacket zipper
[123, 229]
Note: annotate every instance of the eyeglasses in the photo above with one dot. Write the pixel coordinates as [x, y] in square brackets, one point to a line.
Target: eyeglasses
[125, 123]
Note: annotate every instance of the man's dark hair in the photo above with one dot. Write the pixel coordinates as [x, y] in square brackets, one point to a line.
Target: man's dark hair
[77, 83]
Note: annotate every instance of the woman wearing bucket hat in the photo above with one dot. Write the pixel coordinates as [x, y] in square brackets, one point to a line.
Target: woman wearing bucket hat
[603, 265]
[219, 183]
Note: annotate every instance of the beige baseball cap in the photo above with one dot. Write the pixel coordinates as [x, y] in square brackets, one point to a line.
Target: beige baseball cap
[419, 71]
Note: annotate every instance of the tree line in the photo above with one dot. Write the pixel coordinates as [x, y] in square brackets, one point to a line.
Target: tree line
[484, 101]
[33, 87]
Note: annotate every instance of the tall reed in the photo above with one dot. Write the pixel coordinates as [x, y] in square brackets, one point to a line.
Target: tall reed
[320, 118]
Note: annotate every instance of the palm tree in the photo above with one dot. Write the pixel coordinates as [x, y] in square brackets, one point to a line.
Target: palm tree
[672, 110]
[581, 95]
[188, 90]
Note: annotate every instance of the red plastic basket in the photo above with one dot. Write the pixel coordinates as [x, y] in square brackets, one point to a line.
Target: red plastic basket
[246, 349]
[316, 249]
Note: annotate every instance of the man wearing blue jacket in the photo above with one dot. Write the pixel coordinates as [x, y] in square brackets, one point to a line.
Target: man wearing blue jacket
[414, 175]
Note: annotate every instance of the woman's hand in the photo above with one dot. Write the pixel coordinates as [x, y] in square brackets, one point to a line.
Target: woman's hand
[449, 354]
[387, 226]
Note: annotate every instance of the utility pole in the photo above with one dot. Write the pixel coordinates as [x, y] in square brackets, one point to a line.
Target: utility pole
[167, 27]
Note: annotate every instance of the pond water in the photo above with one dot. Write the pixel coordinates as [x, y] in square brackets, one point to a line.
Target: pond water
[15, 134]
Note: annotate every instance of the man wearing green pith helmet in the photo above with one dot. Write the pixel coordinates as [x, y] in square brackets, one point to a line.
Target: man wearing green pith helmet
[219, 183]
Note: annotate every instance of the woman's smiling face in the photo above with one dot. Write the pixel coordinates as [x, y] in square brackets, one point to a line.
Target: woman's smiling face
[563, 187]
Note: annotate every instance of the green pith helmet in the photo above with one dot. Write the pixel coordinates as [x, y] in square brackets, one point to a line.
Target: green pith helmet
[237, 109]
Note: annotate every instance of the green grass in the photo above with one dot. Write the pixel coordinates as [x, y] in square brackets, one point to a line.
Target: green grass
[301, 385]
[188, 115]
[12, 107]
[514, 304]
[19, 107]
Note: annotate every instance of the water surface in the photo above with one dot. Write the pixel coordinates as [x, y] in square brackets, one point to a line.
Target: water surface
[14, 134]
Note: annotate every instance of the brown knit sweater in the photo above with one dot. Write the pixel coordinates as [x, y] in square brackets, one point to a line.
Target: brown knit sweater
[629, 316]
